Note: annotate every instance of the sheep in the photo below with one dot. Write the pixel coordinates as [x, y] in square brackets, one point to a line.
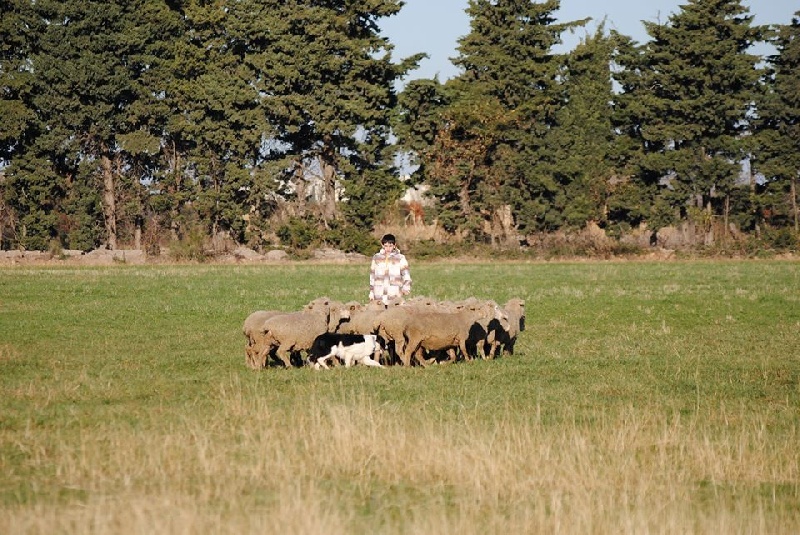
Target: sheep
[362, 318]
[389, 326]
[419, 328]
[515, 309]
[320, 303]
[291, 333]
[256, 342]
[483, 334]
[446, 331]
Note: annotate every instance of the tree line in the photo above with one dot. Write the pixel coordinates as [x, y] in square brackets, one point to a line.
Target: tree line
[269, 122]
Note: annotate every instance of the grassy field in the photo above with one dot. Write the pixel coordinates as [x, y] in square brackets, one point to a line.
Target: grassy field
[643, 398]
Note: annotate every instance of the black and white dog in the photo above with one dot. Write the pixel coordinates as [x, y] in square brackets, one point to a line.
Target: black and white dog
[350, 348]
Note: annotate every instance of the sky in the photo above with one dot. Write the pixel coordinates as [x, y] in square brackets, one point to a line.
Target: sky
[434, 26]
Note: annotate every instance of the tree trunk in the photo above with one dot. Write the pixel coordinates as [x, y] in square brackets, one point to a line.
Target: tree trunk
[109, 201]
[463, 196]
[754, 211]
[726, 233]
[299, 183]
[328, 171]
[709, 239]
[175, 209]
[137, 233]
[794, 204]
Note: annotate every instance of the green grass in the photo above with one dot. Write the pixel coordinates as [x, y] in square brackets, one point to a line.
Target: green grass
[643, 397]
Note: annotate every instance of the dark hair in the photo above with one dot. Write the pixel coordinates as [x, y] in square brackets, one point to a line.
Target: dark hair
[388, 238]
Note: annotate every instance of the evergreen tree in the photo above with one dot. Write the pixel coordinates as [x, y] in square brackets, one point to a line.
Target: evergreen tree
[19, 31]
[327, 81]
[216, 129]
[637, 196]
[87, 119]
[493, 133]
[580, 145]
[27, 214]
[687, 98]
[779, 128]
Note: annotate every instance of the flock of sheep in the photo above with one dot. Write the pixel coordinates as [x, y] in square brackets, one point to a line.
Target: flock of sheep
[417, 331]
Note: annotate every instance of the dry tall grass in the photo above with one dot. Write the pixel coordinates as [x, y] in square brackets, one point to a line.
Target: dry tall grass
[355, 466]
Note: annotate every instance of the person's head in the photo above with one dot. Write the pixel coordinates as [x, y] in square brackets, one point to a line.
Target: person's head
[388, 241]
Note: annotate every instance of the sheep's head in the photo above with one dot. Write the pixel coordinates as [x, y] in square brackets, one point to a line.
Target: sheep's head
[502, 316]
[320, 303]
[395, 301]
[422, 300]
[353, 306]
[516, 306]
[336, 314]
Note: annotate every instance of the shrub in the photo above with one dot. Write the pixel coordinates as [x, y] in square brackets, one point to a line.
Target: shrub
[782, 239]
[298, 233]
[349, 238]
[190, 246]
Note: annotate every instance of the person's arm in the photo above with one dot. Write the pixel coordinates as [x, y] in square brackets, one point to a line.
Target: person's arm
[372, 280]
[405, 272]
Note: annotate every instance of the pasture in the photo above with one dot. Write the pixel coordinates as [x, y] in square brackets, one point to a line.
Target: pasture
[642, 398]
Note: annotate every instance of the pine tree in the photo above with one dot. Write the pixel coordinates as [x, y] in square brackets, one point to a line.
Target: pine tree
[327, 80]
[87, 120]
[19, 31]
[217, 125]
[580, 145]
[492, 134]
[779, 128]
[687, 98]
[29, 216]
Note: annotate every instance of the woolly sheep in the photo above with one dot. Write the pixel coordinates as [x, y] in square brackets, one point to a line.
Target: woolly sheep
[447, 331]
[515, 309]
[361, 318]
[294, 332]
[390, 324]
[256, 342]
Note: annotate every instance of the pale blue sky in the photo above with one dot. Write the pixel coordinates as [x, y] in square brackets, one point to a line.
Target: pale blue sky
[434, 26]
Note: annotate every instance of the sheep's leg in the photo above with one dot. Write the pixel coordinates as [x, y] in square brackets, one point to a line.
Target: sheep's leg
[488, 349]
[260, 360]
[400, 345]
[389, 356]
[452, 356]
[248, 353]
[284, 354]
[491, 340]
[463, 347]
[408, 354]
[249, 359]
[377, 354]
[510, 347]
[262, 349]
[419, 354]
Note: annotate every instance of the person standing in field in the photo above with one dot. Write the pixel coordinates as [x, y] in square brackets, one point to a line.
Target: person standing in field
[389, 275]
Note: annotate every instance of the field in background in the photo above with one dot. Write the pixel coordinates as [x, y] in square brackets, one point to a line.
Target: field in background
[643, 398]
